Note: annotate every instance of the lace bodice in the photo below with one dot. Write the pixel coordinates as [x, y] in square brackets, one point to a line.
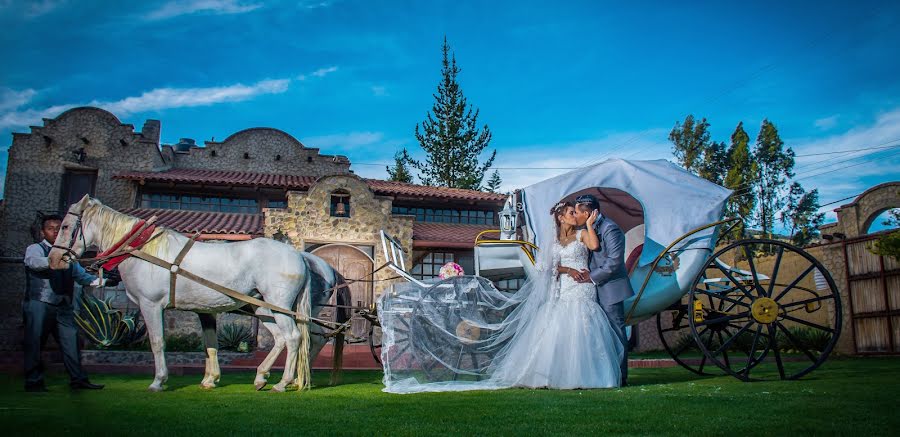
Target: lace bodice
[573, 255]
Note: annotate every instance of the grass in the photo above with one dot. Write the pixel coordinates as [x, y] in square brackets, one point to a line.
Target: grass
[845, 396]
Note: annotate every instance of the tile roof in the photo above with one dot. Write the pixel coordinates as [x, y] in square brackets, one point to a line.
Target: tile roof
[293, 182]
[222, 178]
[203, 221]
[446, 235]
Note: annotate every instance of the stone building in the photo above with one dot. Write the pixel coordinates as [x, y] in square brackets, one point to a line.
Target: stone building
[257, 182]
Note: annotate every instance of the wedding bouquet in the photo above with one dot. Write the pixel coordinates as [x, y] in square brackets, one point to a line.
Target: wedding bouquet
[450, 269]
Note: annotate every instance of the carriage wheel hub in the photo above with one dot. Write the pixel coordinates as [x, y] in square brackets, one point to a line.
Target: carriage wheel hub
[765, 310]
[467, 332]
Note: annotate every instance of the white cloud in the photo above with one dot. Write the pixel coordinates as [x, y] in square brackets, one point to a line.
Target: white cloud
[12, 99]
[379, 91]
[220, 7]
[351, 140]
[157, 99]
[827, 122]
[322, 72]
[42, 7]
[315, 4]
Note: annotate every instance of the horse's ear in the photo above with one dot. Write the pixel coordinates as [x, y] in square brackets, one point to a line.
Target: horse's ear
[84, 202]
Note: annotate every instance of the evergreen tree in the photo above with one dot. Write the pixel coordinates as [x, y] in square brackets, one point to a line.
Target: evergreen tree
[399, 173]
[889, 244]
[800, 216]
[450, 136]
[493, 184]
[689, 141]
[741, 178]
[714, 164]
[775, 166]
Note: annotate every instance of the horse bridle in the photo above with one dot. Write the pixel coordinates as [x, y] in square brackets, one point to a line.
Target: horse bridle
[76, 232]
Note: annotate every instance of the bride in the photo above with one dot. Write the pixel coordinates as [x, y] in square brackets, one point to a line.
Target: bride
[569, 343]
[554, 333]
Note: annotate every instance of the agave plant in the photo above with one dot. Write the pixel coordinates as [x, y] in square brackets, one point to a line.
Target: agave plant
[107, 327]
[235, 337]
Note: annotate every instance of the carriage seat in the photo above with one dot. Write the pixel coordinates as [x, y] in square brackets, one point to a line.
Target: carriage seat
[634, 245]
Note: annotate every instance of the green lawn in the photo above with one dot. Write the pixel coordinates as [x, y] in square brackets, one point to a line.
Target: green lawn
[845, 396]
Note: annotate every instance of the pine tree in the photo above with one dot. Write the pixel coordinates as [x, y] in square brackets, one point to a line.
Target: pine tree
[689, 141]
[493, 184]
[714, 164]
[450, 136]
[775, 167]
[399, 173]
[741, 178]
[800, 215]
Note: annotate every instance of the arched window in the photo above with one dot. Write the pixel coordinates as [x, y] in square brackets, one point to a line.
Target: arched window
[340, 204]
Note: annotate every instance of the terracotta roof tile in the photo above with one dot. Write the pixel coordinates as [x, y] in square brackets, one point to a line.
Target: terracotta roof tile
[392, 188]
[223, 178]
[293, 182]
[203, 221]
[446, 235]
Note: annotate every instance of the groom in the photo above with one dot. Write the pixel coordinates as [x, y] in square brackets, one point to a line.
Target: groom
[607, 270]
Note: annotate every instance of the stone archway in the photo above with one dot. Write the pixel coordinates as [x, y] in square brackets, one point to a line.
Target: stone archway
[855, 218]
[352, 263]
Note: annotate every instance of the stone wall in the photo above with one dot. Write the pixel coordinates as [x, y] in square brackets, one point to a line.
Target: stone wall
[307, 220]
[855, 218]
[267, 151]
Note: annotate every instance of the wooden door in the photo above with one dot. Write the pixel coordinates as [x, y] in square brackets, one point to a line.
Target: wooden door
[352, 264]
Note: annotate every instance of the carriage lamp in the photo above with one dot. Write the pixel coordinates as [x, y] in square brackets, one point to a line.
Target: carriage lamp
[508, 221]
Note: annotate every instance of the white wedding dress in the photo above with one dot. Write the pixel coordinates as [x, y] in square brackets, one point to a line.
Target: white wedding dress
[570, 343]
[552, 334]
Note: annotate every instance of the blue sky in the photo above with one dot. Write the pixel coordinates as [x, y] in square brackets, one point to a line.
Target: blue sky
[560, 83]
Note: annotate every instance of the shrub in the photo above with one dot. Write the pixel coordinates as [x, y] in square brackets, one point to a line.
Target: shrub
[233, 336]
[106, 327]
[184, 343]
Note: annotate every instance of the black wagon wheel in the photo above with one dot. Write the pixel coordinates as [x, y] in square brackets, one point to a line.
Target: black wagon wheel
[374, 337]
[677, 338]
[445, 333]
[769, 295]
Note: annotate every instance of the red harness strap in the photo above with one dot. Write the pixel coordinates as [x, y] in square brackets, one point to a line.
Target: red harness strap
[141, 239]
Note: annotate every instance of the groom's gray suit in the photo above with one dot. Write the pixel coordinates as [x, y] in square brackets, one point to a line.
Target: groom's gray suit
[607, 270]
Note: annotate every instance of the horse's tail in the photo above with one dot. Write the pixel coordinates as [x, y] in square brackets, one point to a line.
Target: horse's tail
[304, 310]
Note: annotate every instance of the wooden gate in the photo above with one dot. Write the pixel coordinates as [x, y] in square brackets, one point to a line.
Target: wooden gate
[873, 284]
[352, 263]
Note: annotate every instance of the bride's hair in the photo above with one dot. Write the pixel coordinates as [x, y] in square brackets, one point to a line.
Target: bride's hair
[558, 210]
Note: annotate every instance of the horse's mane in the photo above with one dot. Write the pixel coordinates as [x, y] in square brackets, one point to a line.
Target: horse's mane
[114, 225]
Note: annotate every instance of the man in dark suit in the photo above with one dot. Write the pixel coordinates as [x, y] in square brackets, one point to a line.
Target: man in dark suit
[48, 308]
[607, 270]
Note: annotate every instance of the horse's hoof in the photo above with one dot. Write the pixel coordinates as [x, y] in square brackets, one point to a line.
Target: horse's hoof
[278, 388]
[207, 386]
[155, 388]
[259, 385]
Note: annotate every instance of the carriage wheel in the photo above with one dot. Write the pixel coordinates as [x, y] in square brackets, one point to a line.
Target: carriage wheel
[445, 344]
[769, 298]
[676, 336]
[374, 337]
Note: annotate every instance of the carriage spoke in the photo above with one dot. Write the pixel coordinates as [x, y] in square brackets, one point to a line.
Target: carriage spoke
[708, 344]
[722, 319]
[795, 282]
[752, 351]
[724, 298]
[775, 271]
[810, 324]
[725, 344]
[735, 282]
[774, 343]
[687, 344]
[753, 274]
[810, 300]
[724, 353]
[796, 342]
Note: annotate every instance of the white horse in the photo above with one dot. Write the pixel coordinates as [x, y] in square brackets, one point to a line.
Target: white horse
[274, 270]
